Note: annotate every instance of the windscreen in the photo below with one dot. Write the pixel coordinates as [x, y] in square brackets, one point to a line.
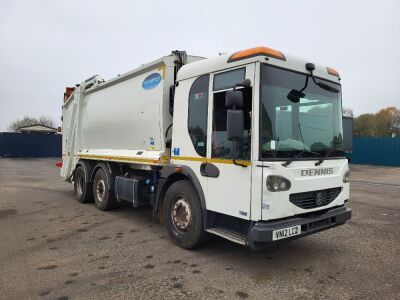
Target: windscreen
[311, 123]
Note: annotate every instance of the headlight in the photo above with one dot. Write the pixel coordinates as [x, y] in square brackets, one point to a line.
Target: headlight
[277, 183]
[346, 176]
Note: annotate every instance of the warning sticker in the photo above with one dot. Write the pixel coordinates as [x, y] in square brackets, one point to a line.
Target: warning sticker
[198, 96]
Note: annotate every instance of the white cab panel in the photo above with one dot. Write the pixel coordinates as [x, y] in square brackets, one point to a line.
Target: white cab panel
[183, 152]
[276, 205]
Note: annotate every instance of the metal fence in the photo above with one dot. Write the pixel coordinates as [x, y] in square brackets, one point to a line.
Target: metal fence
[30, 145]
[383, 151]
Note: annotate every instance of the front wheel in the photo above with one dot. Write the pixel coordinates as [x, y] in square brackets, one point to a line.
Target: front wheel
[183, 215]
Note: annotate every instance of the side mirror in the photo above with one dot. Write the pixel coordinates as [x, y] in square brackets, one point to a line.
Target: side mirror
[295, 96]
[327, 87]
[235, 125]
[234, 99]
[246, 83]
[235, 116]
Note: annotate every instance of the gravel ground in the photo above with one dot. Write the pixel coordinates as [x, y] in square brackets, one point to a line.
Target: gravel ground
[52, 247]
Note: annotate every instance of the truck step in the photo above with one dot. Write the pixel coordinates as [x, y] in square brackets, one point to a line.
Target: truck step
[230, 235]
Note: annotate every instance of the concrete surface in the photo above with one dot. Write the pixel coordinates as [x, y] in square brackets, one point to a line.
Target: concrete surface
[52, 247]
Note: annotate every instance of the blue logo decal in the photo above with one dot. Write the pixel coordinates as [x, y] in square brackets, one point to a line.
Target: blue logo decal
[177, 151]
[151, 81]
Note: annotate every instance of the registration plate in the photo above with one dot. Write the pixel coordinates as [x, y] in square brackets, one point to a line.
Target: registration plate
[286, 232]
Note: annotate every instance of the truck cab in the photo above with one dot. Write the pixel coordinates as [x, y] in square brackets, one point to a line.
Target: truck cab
[283, 174]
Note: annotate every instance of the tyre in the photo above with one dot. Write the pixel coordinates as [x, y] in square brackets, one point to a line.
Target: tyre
[104, 198]
[83, 190]
[183, 215]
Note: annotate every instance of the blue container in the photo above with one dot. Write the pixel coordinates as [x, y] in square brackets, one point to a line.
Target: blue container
[382, 151]
[30, 145]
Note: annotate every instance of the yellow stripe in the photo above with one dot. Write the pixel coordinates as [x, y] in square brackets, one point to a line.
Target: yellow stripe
[119, 158]
[163, 70]
[211, 160]
[200, 159]
[162, 160]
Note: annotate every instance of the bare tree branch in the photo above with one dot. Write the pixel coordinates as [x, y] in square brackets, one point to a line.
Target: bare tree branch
[27, 121]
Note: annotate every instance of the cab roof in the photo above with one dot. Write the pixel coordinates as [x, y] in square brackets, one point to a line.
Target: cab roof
[261, 54]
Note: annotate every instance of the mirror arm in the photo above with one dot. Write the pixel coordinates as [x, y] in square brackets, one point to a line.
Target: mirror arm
[235, 162]
[313, 78]
[306, 84]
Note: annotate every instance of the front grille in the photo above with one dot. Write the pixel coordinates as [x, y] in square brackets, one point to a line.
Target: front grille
[315, 199]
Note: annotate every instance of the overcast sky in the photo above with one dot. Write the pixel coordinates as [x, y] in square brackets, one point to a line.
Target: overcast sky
[47, 45]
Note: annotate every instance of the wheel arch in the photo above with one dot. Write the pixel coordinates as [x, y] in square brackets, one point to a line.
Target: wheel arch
[169, 175]
[87, 167]
[110, 169]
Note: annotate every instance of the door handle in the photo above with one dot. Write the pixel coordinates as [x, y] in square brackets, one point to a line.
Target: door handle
[209, 170]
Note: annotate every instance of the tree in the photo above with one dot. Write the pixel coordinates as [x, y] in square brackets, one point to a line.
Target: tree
[384, 123]
[383, 119]
[27, 121]
[395, 123]
[364, 125]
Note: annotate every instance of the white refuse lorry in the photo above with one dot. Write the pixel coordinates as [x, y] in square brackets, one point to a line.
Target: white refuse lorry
[247, 146]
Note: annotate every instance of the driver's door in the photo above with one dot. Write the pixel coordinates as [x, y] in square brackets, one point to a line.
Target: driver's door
[229, 185]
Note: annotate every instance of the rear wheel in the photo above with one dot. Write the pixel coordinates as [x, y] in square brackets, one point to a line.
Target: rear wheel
[83, 190]
[183, 215]
[103, 196]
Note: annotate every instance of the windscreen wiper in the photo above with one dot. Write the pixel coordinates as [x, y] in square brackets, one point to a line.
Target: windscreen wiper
[326, 155]
[288, 162]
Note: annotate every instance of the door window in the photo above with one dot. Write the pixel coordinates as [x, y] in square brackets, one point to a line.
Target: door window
[221, 147]
[227, 80]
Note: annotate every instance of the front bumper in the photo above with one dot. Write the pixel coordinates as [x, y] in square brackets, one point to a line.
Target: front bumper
[260, 233]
